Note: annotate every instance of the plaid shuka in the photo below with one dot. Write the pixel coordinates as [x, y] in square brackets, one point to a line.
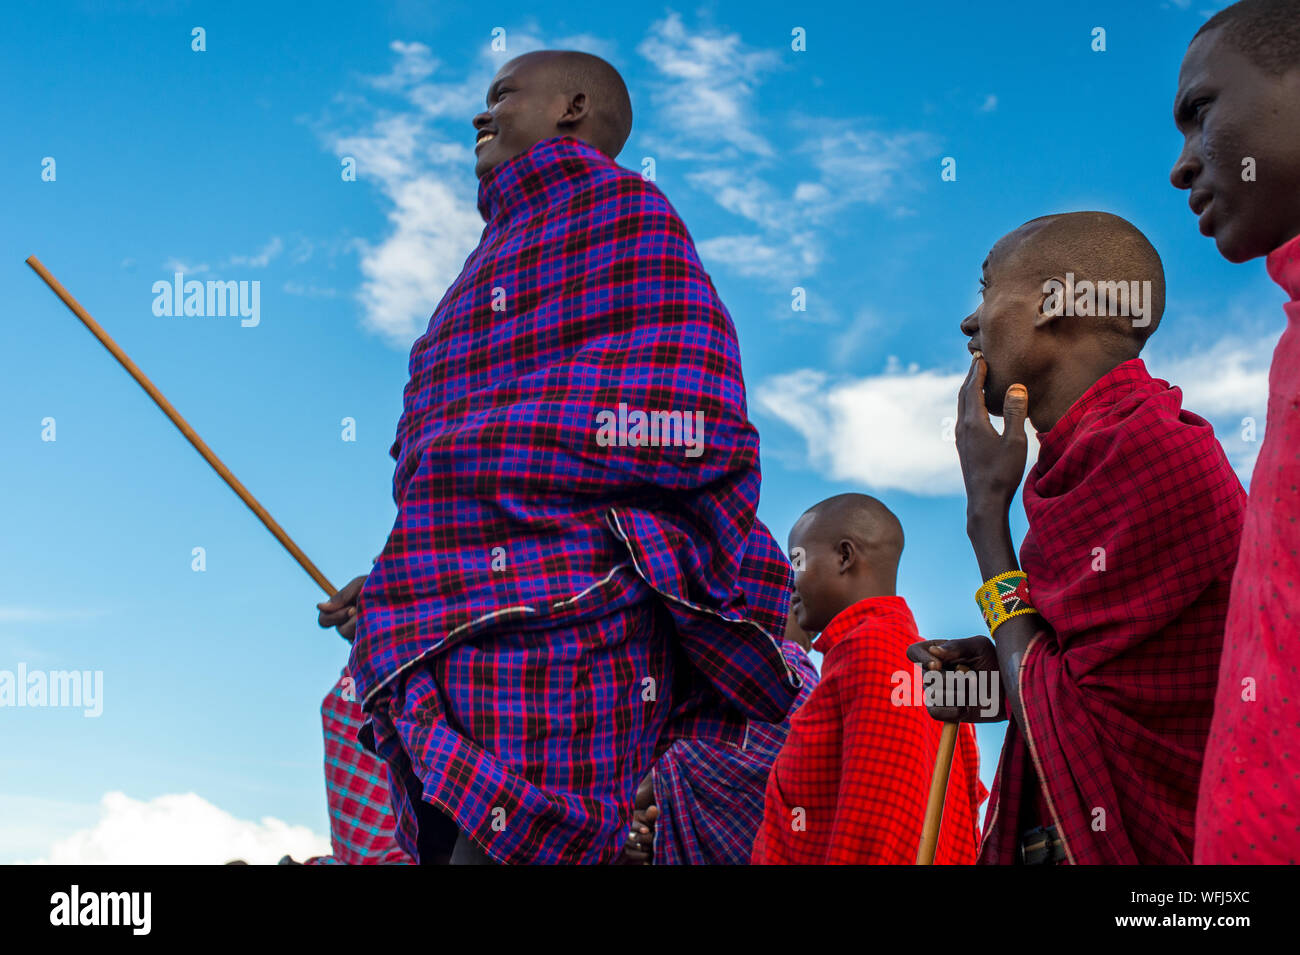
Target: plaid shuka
[1249, 810]
[1118, 699]
[356, 788]
[532, 493]
[710, 798]
[852, 780]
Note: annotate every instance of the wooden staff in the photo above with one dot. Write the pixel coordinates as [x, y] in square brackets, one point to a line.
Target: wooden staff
[190, 434]
[938, 791]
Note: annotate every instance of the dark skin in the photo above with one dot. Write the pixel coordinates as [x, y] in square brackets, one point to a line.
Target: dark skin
[524, 107]
[639, 847]
[1028, 364]
[837, 573]
[340, 611]
[1228, 109]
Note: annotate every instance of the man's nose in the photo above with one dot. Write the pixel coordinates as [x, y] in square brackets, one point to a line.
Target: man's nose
[970, 324]
[1186, 168]
[481, 120]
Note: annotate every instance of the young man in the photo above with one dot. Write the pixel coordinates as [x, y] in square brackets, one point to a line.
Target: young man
[851, 783]
[576, 576]
[1107, 632]
[702, 804]
[1238, 108]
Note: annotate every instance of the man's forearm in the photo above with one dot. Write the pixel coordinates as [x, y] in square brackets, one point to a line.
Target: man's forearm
[990, 535]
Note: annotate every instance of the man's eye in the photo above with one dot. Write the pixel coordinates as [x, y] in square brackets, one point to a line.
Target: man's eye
[1197, 108]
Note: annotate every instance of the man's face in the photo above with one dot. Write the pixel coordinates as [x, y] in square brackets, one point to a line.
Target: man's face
[1002, 326]
[818, 585]
[523, 108]
[1230, 111]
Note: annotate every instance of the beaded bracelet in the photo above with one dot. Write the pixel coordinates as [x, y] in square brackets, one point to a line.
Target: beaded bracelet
[1003, 597]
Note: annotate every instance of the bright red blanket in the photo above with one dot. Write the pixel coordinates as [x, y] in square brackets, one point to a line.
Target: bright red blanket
[1250, 790]
[1135, 517]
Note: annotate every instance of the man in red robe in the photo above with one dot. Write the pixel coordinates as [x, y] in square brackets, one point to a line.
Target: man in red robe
[1238, 108]
[1110, 660]
[851, 782]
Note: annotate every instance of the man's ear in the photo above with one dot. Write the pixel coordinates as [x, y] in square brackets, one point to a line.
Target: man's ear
[1056, 297]
[848, 554]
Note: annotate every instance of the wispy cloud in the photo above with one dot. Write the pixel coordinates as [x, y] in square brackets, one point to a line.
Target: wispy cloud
[263, 258]
[422, 165]
[705, 91]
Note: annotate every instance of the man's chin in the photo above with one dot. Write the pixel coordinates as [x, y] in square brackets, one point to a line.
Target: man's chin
[1236, 248]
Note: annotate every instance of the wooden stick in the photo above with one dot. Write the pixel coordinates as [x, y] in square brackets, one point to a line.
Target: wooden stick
[191, 436]
[938, 792]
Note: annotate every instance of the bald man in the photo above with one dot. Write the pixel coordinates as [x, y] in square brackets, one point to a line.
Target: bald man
[1107, 631]
[851, 781]
[1238, 110]
[576, 576]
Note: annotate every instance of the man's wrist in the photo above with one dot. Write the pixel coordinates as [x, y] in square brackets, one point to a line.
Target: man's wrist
[983, 517]
[990, 537]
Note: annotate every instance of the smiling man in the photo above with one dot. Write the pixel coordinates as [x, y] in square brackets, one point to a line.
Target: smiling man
[1238, 109]
[550, 611]
[1108, 629]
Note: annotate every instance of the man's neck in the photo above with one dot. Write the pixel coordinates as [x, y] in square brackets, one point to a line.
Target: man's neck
[1068, 385]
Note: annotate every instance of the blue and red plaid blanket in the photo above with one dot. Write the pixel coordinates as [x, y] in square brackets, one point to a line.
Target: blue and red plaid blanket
[575, 414]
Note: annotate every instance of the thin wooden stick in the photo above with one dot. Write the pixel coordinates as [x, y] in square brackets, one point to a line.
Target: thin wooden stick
[938, 792]
[190, 434]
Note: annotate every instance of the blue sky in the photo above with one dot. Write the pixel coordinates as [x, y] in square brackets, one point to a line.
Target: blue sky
[818, 169]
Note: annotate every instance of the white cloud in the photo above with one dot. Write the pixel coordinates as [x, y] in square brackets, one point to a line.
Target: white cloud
[889, 432]
[706, 89]
[179, 830]
[1228, 377]
[990, 104]
[1226, 383]
[861, 165]
[893, 431]
[262, 259]
[428, 183]
[708, 80]
[414, 63]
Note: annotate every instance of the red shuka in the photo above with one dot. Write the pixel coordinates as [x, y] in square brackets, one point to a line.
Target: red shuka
[1134, 521]
[1250, 789]
[851, 783]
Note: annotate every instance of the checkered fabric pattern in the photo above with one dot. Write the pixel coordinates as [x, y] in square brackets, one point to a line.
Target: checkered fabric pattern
[851, 783]
[1135, 517]
[1249, 809]
[710, 797]
[516, 494]
[356, 788]
[550, 553]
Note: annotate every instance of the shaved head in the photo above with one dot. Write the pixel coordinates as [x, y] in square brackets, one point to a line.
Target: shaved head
[572, 72]
[845, 549]
[862, 519]
[547, 94]
[1266, 32]
[1097, 247]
